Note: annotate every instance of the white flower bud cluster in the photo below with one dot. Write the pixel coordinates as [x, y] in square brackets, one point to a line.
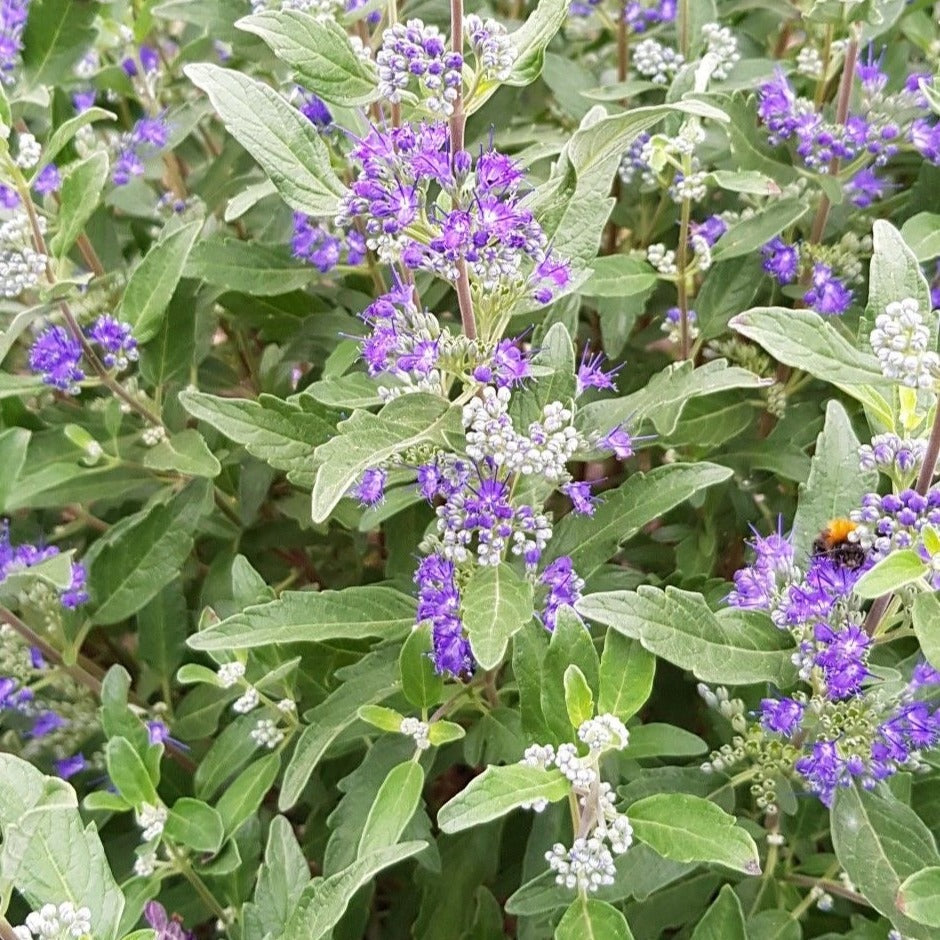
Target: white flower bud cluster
[56, 923]
[809, 62]
[731, 709]
[319, 9]
[267, 734]
[230, 673]
[145, 865]
[541, 756]
[287, 706]
[247, 702]
[550, 444]
[417, 730]
[151, 820]
[723, 47]
[656, 62]
[661, 258]
[691, 187]
[587, 865]
[578, 770]
[492, 46]
[28, 151]
[21, 266]
[603, 733]
[702, 251]
[900, 340]
[150, 437]
[88, 64]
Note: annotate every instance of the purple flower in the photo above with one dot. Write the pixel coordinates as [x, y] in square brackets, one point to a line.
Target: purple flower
[756, 586]
[370, 491]
[641, 15]
[782, 716]
[116, 340]
[439, 603]
[166, 928]
[618, 440]
[315, 110]
[46, 723]
[154, 131]
[828, 295]
[83, 100]
[127, 165]
[9, 199]
[925, 136]
[590, 374]
[311, 242]
[781, 261]
[49, 180]
[843, 658]
[924, 675]
[56, 357]
[12, 21]
[36, 659]
[564, 587]
[149, 59]
[823, 769]
[582, 499]
[76, 595]
[508, 367]
[777, 107]
[865, 188]
[67, 767]
[711, 229]
[870, 73]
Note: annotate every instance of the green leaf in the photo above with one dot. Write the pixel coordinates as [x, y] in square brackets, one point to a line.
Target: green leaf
[495, 603]
[323, 902]
[921, 233]
[56, 36]
[282, 878]
[313, 617]
[836, 484]
[80, 193]
[919, 897]
[394, 805]
[195, 824]
[153, 281]
[880, 842]
[620, 276]
[376, 678]
[443, 732]
[251, 267]
[626, 676]
[24, 786]
[591, 919]
[899, 568]
[422, 686]
[186, 453]
[579, 700]
[532, 38]
[285, 144]
[498, 791]
[804, 340]
[319, 51]
[128, 773]
[688, 828]
[745, 181]
[731, 646]
[275, 431]
[65, 132]
[135, 565]
[749, 234]
[661, 740]
[724, 920]
[621, 513]
[366, 440]
[571, 643]
[243, 796]
[925, 614]
[385, 719]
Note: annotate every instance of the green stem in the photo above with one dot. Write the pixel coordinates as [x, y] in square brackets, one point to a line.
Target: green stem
[184, 868]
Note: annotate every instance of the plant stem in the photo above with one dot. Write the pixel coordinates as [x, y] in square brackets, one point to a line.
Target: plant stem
[685, 38]
[184, 867]
[842, 111]
[6, 930]
[682, 283]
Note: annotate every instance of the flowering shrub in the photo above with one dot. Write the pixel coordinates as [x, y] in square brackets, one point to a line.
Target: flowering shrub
[469, 473]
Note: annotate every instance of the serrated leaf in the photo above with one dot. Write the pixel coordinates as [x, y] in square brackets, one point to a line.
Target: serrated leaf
[320, 53]
[495, 603]
[591, 919]
[498, 791]
[621, 513]
[313, 617]
[277, 432]
[324, 901]
[688, 828]
[626, 676]
[135, 566]
[394, 805]
[836, 484]
[732, 646]
[153, 281]
[366, 440]
[285, 144]
[880, 842]
[899, 568]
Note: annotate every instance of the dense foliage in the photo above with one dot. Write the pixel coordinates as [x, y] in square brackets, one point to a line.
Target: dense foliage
[469, 473]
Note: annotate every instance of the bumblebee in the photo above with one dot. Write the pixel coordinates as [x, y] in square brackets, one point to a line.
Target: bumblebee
[834, 543]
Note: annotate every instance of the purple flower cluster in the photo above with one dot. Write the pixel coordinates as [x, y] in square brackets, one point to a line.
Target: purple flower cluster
[147, 56]
[591, 375]
[16, 558]
[315, 109]
[370, 491]
[56, 356]
[564, 587]
[148, 134]
[893, 455]
[507, 367]
[164, 926]
[48, 181]
[313, 243]
[641, 15]
[12, 22]
[115, 339]
[488, 227]
[439, 603]
[826, 294]
[758, 586]
[895, 520]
